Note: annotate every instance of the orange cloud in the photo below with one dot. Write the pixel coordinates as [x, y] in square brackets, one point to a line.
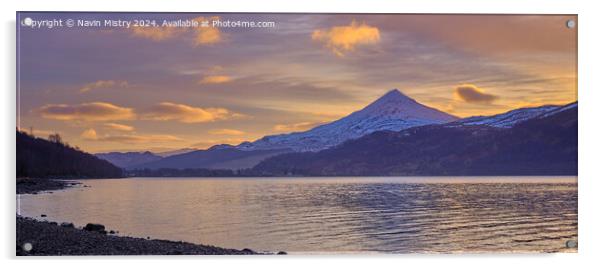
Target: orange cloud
[89, 134]
[342, 39]
[202, 35]
[119, 127]
[207, 35]
[215, 79]
[226, 131]
[187, 114]
[296, 126]
[473, 94]
[103, 84]
[94, 111]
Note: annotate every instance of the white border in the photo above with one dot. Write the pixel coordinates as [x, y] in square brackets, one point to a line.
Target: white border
[590, 111]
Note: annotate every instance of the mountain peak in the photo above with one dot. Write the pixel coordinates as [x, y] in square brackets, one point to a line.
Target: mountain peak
[392, 99]
[394, 92]
[394, 95]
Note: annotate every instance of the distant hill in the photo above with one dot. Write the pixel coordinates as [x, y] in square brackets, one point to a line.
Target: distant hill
[218, 157]
[544, 144]
[42, 158]
[128, 159]
[175, 152]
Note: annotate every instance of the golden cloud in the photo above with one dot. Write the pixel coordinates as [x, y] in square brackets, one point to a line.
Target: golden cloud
[89, 134]
[296, 126]
[207, 35]
[94, 111]
[341, 39]
[226, 131]
[103, 84]
[119, 127]
[215, 79]
[473, 94]
[187, 114]
[202, 35]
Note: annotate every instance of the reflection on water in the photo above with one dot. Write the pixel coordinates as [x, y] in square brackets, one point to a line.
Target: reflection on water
[329, 214]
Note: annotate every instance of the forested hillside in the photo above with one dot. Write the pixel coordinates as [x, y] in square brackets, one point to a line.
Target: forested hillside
[43, 158]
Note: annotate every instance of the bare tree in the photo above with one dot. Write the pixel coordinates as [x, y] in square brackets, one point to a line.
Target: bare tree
[56, 138]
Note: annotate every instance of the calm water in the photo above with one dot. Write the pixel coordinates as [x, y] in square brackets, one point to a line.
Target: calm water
[328, 214]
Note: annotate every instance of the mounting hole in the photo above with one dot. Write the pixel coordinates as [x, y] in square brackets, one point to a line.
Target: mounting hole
[571, 24]
[27, 21]
[27, 246]
[571, 244]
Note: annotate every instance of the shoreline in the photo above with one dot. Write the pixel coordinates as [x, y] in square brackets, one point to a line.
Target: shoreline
[43, 238]
[36, 185]
[53, 239]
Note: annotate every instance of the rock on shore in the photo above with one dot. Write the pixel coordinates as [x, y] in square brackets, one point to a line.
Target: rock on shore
[47, 238]
[35, 185]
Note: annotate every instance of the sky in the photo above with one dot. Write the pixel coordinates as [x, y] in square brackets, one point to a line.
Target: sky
[166, 88]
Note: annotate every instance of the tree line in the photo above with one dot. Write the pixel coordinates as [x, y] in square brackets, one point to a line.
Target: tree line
[52, 157]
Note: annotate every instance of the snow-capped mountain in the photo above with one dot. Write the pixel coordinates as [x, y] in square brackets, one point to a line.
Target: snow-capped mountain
[393, 111]
[545, 145]
[511, 118]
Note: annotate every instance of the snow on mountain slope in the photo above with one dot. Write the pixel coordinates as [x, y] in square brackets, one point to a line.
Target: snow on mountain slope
[511, 118]
[561, 109]
[393, 111]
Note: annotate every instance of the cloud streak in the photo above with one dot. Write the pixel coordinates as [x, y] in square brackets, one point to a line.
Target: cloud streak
[91, 135]
[302, 126]
[93, 111]
[215, 79]
[226, 131]
[168, 111]
[103, 84]
[119, 127]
